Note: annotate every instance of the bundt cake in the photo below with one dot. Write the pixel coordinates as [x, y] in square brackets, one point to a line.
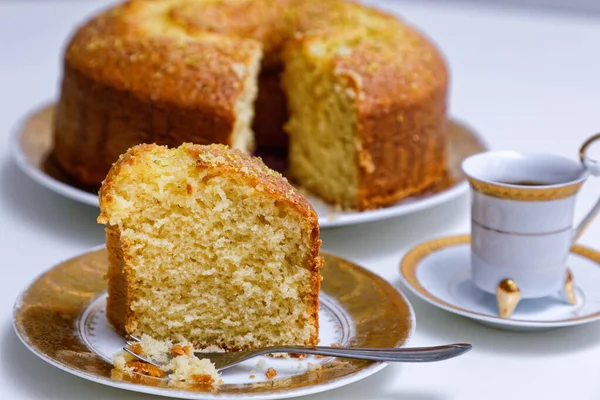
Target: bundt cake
[361, 94]
[208, 244]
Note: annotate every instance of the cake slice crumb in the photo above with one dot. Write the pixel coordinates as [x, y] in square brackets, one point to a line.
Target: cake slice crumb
[144, 368]
[271, 373]
[179, 350]
[203, 379]
[192, 369]
[313, 367]
[137, 349]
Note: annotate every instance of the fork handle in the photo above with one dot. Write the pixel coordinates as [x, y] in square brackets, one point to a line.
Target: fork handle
[414, 354]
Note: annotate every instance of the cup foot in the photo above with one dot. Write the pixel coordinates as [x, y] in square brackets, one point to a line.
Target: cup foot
[570, 288]
[508, 296]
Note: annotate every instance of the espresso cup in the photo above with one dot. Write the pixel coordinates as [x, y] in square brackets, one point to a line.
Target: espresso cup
[522, 211]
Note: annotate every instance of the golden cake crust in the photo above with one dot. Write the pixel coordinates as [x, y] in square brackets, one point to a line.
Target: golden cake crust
[222, 161]
[117, 309]
[170, 71]
[402, 122]
[203, 72]
[123, 86]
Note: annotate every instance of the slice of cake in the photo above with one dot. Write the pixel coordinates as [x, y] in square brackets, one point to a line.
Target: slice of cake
[209, 244]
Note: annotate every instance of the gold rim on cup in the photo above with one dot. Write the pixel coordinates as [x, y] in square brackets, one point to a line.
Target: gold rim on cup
[524, 193]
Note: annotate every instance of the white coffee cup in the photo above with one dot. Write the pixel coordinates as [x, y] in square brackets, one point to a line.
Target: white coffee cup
[522, 213]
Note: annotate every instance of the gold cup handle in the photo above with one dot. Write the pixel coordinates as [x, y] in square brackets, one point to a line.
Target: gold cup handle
[593, 168]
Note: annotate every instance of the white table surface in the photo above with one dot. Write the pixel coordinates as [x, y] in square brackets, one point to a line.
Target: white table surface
[524, 79]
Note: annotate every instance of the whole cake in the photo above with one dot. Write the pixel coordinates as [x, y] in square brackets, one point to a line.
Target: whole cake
[208, 244]
[360, 94]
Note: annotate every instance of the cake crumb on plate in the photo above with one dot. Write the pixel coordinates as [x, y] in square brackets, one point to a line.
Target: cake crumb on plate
[178, 358]
[313, 367]
[271, 373]
[144, 368]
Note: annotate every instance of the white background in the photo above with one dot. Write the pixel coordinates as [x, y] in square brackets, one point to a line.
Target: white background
[525, 79]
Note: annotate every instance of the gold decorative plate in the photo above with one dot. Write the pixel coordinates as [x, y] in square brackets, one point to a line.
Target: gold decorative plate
[32, 144]
[438, 271]
[60, 317]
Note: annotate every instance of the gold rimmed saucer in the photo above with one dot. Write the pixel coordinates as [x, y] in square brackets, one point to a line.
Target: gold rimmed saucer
[32, 143]
[438, 271]
[60, 317]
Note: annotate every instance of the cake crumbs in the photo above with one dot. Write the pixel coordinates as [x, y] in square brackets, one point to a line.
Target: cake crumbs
[144, 368]
[203, 379]
[179, 350]
[336, 345]
[183, 366]
[271, 373]
[137, 349]
[313, 367]
[252, 376]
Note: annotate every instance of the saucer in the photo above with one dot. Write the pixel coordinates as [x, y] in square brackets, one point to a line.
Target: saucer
[438, 271]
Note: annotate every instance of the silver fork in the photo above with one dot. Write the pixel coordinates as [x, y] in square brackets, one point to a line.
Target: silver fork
[415, 354]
